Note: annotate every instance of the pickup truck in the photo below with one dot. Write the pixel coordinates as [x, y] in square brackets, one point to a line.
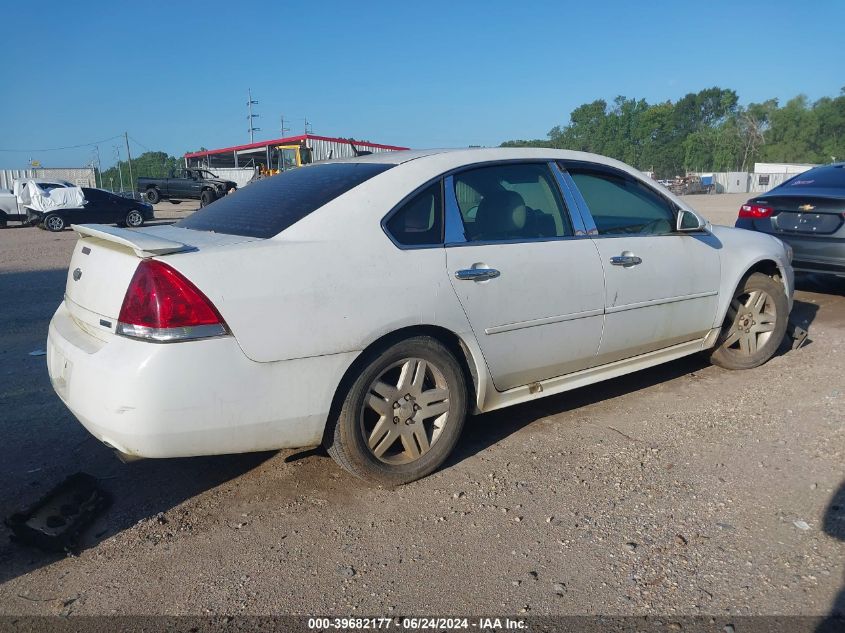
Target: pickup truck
[182, 184]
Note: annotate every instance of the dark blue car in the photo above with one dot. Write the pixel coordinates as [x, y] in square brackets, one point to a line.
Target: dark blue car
[808, 213]
[101, 207]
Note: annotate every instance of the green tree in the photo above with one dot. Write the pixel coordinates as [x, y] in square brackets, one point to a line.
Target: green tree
[704, 131]
[147, 165]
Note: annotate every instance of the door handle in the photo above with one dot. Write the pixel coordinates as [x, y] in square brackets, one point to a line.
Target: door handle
[626, 259]
[477, 274]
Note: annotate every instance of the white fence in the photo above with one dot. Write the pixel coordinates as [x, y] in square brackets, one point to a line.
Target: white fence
[239, 175]
[79, 176]
[747, 182]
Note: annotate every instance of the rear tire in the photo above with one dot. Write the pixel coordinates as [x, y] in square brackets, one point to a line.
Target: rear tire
[53, 223]
[207, 197]
[402, 415]
[134, 219]
[754, 325]
[153, 195]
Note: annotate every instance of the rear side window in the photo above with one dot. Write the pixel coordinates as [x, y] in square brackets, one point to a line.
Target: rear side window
[267, 207]
[420, 220]
[517, 201]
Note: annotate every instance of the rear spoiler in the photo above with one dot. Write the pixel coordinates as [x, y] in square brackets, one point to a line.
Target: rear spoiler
[145, 245]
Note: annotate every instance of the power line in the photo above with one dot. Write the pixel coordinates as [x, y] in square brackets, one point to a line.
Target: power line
[137, 142]
[57, 149]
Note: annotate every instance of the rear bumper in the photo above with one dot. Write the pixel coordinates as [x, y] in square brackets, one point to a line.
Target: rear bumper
[192, 398]
[816, 253]
[825, 268]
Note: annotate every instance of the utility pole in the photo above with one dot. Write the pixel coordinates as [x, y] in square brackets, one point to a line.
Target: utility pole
[307, 126]
[129, 158]
[250, 102]
[119, 168]
[99, 166]
[282, 126]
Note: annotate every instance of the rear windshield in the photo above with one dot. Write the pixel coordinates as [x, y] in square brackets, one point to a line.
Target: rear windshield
[830, 177]
[267, 207]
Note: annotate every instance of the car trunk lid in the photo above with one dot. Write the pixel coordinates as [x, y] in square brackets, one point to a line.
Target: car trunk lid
[801, 214]
[105, 259]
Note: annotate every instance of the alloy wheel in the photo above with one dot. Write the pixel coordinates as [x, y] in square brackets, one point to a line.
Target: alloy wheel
[753, 317]
[55, 223]
[405, 411]
[134, 218]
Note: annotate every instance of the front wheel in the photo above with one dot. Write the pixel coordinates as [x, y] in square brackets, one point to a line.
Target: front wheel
[402, 415]
[53, 222]
[755, 324]
[207, 197]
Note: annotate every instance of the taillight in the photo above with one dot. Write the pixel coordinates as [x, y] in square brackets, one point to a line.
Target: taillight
[755, 211]
[162, 305]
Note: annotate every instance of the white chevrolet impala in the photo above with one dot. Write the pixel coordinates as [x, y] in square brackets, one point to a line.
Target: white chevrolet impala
[371, 304]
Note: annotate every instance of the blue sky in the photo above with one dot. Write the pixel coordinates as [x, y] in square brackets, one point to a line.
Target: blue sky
[423, 74]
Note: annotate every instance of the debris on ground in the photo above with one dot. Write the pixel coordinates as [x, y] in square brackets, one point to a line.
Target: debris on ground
[55, 522]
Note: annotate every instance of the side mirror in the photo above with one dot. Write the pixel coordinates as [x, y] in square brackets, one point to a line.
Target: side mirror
[689, 222]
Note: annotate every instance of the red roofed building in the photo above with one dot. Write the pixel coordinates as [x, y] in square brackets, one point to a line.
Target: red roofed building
[272, 155]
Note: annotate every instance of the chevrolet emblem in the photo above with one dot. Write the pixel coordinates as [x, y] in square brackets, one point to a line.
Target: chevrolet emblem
[806, 207]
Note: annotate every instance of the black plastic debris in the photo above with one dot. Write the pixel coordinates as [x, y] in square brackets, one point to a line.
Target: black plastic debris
[797, 334]
[55, 522]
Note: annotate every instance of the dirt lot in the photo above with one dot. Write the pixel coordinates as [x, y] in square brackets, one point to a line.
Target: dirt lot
[685, 489]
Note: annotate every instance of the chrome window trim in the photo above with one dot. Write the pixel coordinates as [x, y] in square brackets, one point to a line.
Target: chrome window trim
[453, 224]
[457, 235]
[580, 220]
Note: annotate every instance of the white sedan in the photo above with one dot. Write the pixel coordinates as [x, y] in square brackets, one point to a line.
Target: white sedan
[371, 304]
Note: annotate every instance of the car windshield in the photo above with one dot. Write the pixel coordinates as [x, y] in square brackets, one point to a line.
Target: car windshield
[268, 207]
[204, 173]
[49, 186]
[829, 177]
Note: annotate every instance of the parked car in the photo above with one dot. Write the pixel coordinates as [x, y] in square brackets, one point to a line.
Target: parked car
[100, 206]
[13, 203]
[131, 195]
[371, 303]
[808, 213]
[197, 184]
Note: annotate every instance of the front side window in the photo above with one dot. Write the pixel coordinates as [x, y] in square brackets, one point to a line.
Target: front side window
[420, 220]
[518, 201]
[621, 205]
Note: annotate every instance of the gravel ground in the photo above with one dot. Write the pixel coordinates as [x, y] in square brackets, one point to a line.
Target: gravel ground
[684, 489]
